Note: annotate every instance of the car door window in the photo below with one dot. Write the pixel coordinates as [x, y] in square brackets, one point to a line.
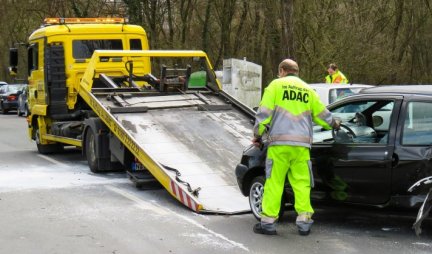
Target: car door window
[366, 121]
[418, 124]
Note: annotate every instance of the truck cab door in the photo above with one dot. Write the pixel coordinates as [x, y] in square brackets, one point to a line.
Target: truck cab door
[358, 167]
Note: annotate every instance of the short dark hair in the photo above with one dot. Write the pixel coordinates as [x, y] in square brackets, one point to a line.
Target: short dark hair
[333, 66]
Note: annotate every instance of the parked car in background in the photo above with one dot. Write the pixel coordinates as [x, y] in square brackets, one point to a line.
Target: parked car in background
[23, 108]
[2, 83]
[330, 93]
[380, 157]
[9, 97]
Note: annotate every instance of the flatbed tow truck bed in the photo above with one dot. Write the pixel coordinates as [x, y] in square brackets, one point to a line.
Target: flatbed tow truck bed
[189, 141]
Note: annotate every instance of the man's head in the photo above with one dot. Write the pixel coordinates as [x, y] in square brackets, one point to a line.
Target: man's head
[288, 66]
[332, 68]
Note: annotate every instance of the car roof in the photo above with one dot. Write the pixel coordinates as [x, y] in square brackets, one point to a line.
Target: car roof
[327, 86]
[399, 89]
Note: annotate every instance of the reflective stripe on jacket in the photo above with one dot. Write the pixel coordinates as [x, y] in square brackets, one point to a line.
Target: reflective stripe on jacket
[337, 78]
[287, 110]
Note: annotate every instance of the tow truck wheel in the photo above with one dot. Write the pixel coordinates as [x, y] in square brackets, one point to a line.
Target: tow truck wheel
[46, 149]
[256, 191]
[90, 151]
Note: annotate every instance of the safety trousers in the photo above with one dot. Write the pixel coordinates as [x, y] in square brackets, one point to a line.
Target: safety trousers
[283, 161]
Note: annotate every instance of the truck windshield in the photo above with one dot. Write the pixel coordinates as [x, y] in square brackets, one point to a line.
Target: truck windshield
[82, 49]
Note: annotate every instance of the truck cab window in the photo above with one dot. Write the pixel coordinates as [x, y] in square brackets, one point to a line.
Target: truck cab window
[83, 49]
[135, 44]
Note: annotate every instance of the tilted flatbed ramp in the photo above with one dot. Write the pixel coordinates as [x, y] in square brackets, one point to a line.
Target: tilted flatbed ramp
[190, 142]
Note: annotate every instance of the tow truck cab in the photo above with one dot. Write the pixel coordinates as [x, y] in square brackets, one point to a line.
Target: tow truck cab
[58, 55]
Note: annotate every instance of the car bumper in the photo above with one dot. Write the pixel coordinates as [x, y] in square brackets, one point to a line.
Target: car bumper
[240, 173]
[10, 104]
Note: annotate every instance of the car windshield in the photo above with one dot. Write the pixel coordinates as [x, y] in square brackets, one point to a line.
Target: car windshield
[339, 93]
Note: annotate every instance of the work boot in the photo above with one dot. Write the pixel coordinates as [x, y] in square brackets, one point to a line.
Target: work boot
[262, 229]
[304, 223]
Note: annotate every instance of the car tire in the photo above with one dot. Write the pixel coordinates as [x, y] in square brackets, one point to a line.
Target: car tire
[3, 110]
[256, 191]
[46, 149]
[27, 111]
[19, 113]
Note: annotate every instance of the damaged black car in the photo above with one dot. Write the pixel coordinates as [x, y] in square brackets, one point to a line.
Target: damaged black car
[381, 156]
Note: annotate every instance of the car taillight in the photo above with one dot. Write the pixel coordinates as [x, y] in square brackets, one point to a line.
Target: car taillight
[11, 98]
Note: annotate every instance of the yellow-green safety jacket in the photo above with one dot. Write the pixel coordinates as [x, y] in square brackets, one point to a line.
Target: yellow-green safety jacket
[287, 110]
[337, 78]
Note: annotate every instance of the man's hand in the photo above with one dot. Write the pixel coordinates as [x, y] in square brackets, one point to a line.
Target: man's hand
[337, 123]
[257, 141]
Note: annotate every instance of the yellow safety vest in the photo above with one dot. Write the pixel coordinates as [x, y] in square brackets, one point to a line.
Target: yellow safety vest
[287, 110]
[337, 78]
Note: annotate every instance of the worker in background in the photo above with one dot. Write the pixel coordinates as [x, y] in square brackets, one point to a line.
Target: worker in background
[335, 76]
[286, 112]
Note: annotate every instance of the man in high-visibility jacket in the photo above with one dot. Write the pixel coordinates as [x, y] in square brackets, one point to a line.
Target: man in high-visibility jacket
[286, 112]
[335, 75]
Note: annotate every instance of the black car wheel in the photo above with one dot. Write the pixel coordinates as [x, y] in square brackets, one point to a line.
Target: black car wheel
[27, 111]
[256, 191]
[19, 113]
[3, 110]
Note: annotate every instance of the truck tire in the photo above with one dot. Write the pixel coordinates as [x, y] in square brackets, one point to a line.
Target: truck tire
[47, 149]
[256, 191]
[90, 151]
[96, 148]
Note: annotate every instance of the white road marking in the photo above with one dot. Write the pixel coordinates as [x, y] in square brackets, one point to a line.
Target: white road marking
[54, 161]
[422, 244]
[141, 203]
[163, 210]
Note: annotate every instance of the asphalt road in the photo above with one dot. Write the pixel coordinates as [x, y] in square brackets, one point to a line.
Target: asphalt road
[53, 204]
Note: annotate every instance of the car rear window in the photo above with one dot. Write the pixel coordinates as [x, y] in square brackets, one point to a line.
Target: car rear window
[13, 88]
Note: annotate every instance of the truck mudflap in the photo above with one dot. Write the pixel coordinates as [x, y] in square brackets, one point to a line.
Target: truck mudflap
[426, 206]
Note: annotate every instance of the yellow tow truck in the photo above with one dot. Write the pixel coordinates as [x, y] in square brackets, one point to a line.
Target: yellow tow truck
[95, 85]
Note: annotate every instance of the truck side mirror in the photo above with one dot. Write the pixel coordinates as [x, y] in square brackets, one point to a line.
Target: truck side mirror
[13, 61]
[13, 57]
